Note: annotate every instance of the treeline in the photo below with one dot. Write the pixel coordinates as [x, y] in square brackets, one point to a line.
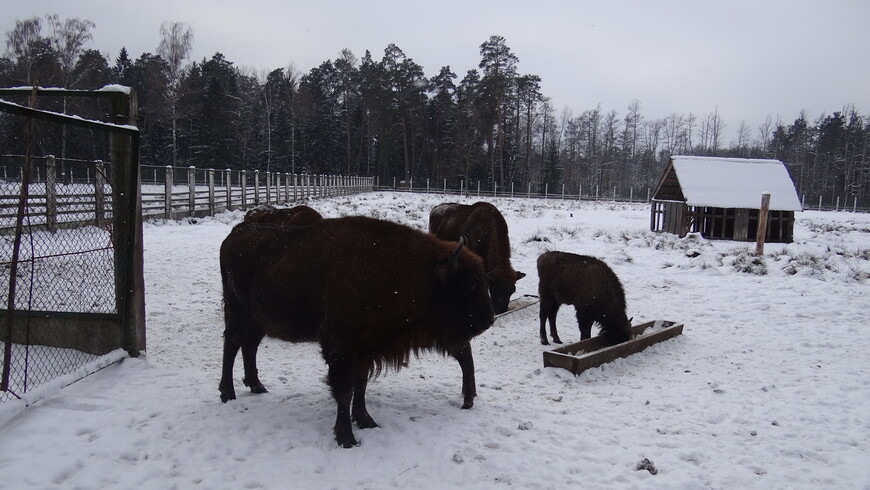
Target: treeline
[383, 117]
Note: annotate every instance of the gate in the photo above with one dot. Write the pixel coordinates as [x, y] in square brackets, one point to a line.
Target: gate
[71, 280]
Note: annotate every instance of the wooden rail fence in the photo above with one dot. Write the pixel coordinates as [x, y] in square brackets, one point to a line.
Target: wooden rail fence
[166, 192]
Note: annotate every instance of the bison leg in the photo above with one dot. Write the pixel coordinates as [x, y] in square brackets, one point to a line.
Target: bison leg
[249, 358]
[359, 412]
[585, 323]
[548, 313]
[231, 348]
[466, 363]
[340, 378]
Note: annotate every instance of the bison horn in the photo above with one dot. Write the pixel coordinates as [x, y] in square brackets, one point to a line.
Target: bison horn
[454, 257]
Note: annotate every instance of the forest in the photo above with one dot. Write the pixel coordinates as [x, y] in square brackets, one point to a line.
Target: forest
[383, 116]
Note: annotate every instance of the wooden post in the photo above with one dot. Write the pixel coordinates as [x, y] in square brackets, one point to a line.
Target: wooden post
[762, 224]
[211, 198]
[50, 194]
[99, 191]
[229, 182]
[244, 190]
[127, 224]
[167, 192]
[256, 187]
[191, 190]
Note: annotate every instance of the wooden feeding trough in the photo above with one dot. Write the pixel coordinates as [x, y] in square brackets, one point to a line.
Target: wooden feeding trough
[593, 352]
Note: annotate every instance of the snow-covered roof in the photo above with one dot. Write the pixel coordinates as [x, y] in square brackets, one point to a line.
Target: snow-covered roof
[735, 182]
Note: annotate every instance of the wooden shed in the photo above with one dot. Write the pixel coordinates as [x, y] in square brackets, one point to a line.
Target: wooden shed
[720, 198]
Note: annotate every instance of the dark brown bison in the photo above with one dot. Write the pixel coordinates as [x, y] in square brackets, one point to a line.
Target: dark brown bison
[296, 216]
[370, 291]
[588, 284]
[486, 232]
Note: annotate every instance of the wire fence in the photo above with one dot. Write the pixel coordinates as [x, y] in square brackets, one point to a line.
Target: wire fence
[475, 188]
[70, 273]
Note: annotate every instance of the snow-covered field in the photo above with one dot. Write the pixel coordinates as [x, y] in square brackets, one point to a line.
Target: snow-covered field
[768, 387]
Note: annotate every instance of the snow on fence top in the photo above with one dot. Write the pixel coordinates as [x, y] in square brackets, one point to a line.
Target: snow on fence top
[735, 182]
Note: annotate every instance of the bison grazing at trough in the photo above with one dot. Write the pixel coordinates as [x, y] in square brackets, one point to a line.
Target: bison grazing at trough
[486, 231]
[296, 216]
[370, 291]
[588, 284]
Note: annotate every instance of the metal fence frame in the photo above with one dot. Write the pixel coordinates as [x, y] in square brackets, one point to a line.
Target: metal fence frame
[58, 330]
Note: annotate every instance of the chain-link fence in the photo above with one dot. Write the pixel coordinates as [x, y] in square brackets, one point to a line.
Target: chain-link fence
[67, 243]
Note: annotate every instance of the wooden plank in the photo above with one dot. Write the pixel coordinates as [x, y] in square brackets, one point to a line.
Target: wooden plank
[594, 352]
[523, 301]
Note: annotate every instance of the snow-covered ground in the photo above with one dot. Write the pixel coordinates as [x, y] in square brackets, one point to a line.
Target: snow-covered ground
[768, 387]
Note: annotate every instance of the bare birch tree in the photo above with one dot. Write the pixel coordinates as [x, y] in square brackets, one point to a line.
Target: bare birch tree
[176, 42]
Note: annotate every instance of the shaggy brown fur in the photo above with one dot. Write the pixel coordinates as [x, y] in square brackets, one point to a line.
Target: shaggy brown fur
[370, 291]
[588, 284]
[296, 216]
[487, 233]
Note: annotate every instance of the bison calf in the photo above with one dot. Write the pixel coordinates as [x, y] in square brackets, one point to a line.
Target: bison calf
[370, 292]
[588, 284]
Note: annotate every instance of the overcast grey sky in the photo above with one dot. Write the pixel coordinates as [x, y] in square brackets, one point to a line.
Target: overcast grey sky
[747, 58]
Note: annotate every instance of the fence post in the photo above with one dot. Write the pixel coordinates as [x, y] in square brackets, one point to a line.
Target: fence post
[244, 178]
[820, 203]
[580, 193]
[512, 189]
[127, 224]
[167, 192]
[530, 190]
[478, 188]
[546, 190]
[228, 180]
[563, 191]
[191, 187]
[761, 234]
[256, 188]
[50, 194]
[211, 200]
[99, 191]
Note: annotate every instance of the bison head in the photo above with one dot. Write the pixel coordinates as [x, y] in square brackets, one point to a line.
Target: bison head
[462, 299]
[502, 284]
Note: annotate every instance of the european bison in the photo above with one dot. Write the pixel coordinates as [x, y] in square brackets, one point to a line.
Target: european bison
[370, 291]
[588, 284]
[296, 216]
[486, 231]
